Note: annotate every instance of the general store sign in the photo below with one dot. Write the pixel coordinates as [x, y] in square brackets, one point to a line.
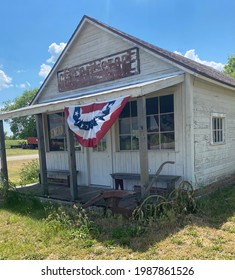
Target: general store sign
[109, 68]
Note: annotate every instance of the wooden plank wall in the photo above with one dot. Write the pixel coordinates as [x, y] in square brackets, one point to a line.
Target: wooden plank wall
[213, 162]
[95, 43]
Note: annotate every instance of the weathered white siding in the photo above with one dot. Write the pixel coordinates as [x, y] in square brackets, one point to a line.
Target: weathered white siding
[59, 160]
[128, 161]
[213, 162]
[94, 43]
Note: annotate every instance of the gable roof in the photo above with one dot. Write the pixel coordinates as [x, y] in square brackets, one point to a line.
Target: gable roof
[179, 60]
[187, 63]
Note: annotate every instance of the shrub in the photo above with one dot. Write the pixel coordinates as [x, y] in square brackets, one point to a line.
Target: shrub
[29, 172]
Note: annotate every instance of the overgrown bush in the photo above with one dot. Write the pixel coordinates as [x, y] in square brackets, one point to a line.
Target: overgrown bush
[29, 172]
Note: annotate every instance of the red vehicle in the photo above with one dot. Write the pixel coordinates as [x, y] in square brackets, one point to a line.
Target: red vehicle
[32, 143]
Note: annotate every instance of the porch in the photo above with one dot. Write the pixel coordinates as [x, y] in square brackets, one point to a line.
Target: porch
[61, 194]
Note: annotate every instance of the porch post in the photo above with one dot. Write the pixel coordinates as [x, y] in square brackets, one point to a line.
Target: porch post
[189, 137]
[42, 154]
[143, 148]
[4, 172]
[72, 163]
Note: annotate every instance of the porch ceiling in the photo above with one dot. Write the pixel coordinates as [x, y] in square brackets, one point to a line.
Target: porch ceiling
[135, 90]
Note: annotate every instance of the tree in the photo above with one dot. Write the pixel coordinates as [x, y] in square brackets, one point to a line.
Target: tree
[229, 68]
[21, 127]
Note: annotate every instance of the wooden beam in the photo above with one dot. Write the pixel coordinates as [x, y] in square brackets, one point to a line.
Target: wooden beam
[72, 163]
[143, 147]
[42, 154]
[4, 172]
[189, 132]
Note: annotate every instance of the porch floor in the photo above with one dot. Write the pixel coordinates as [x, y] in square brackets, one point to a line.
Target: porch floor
[61, 193]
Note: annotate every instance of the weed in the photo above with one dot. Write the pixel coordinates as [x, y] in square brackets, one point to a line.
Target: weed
[87, 243]
[109, 243]
[29, 172]
[177, 240]
[176, 206]
[191, 231]
[199, 243]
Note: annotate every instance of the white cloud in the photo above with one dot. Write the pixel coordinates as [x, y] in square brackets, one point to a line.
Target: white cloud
[24, 85]
[44, 70]
[55, 50]
[5, 81]
[191, 54]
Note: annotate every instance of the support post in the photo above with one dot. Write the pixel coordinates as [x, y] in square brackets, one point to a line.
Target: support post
[143, 146]
[4, 171]
[72, 163]
[189, 136]
[42, 154]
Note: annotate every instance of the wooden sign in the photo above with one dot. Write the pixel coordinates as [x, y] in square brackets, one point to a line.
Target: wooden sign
[109, 68]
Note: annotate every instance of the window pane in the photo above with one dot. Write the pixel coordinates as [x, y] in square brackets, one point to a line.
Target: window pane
[134, 123]
[152, 124]
[167, 140]
[125, 126]
[220, 136]
[56, 132]
[214, 136]
[125, 142]
[126, 111]
[166, 104]
[133, 108]
[135, 143]
[152, 106]
[214, 123]
[153, 141]
[167, 122]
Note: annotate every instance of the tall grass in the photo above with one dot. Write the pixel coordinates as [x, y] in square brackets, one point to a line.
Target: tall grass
[34, 230]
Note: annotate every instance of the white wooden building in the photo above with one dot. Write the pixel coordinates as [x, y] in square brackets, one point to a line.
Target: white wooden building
[179, 111]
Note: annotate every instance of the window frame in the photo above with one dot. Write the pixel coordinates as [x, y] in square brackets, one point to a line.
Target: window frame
[133, 133]
[78, 147]
[222, 117]
[159, 114]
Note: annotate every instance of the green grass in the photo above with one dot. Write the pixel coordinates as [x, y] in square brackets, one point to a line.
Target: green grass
[31, 230]
[20, 152]
[8, 143]
[14, 170]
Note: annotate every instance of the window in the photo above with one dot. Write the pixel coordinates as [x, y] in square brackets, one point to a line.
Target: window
[102, 145]
[160, 122]
[56, 132]
[218, 128]
[128, 127]
[56, 127]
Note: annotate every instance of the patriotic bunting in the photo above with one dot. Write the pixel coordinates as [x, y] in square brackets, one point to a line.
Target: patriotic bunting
[91, 122]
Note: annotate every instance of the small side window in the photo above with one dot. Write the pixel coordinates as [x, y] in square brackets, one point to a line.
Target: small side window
[218, 128]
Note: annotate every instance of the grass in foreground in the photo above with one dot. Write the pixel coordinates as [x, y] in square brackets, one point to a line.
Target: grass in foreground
[31, 230]
[20, 152]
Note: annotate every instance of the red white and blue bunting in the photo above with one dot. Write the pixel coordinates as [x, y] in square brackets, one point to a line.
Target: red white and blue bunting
[91, 122]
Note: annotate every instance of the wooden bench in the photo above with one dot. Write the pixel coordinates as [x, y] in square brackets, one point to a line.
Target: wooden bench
[168, 180]
[56, 174]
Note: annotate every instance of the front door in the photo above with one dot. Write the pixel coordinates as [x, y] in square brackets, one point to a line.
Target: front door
[100, 163]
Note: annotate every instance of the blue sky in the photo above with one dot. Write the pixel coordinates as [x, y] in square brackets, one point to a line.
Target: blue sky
[33, 32]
